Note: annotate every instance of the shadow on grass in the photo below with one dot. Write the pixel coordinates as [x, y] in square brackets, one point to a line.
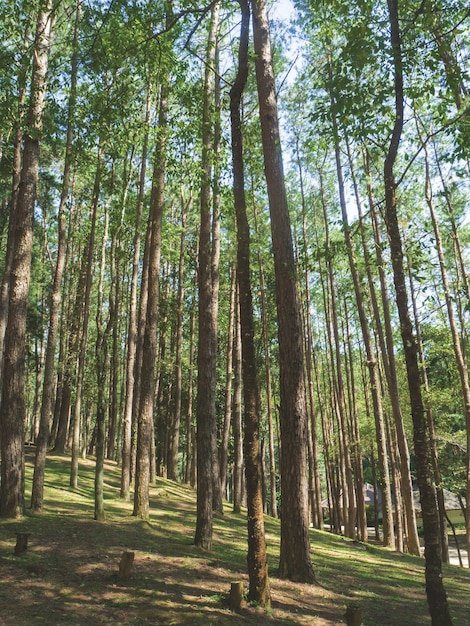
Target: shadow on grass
[70, 573]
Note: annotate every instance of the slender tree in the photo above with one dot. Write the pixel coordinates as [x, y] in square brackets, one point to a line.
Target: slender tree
[436, 595]
[149, 346]
[206, 417]
[56, 294]
[295, 562]
[257, 560]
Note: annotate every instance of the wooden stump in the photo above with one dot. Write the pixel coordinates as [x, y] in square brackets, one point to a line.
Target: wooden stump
[125, 566]
[236, 595]
[353, 615]
[21, 543]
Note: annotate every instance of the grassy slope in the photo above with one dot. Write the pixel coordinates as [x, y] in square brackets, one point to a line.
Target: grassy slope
[69, 574]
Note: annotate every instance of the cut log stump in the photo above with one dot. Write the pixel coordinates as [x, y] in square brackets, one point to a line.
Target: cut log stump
[236, 595]
[125, 566]
[353, 615]
[21, 543]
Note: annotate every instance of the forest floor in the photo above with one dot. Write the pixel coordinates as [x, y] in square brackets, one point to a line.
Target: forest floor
[69, 574]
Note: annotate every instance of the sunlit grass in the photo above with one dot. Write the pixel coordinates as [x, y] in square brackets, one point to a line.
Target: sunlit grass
[70, 573]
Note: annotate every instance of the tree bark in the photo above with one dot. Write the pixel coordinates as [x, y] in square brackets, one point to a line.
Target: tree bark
[237, 473]
[387, 347]
[149, 346]
[256, 558]
[85, 307]
[49, 365]
[132, 326]
[102, 368]
[175, 422]
[206, 360]
[295, 562]
[456, 340]
[436, 595]
[314, 461]
[223, 454]
[12, 409]
[267, 369]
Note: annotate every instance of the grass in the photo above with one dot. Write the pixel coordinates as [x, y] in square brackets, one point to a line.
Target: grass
[69, 574]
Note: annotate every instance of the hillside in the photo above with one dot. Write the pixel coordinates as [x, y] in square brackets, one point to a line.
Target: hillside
[69, 574]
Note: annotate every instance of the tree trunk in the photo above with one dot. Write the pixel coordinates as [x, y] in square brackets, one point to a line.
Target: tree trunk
[49, 365]
[436, 595]
[149, 346]
[314, 462]
[339, 402]
[237, 473]
[295, 562]
[12, 409]
[206, 360]
[389, 537]
[132, 326]
[15, 186]
[174, 426]
[223, 454]
[191, 460]
[356, 452]
[456, 342]
[430, 423]
[388, 358]
[257, 561]
[102, 368]
[267, 369]
[85, 308]
[217, 503]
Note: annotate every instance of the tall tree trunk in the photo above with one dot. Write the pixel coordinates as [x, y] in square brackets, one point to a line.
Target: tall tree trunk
[267, 369]
[335, 467]
[15, 186]
[387, 511]
[85, 305]
[387, 347]
[456, 341]
[49, 365]
[237, 473]
[143, 301]
[436, 595]
[356, 451]
[257, 561]
[174, 426]
[149, 346]
[206, 359]
[114, 311]
[102, 368]
[12, 409]
[132, 326]
[191, 460]
[223, 454]
[295, 562]
[314, 476]
[430, 422]
[339, 402]
[217, 503]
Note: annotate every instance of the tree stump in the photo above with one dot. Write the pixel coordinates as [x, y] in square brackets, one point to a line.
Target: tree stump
[125, 566]
[353, 615]
[236, 595]
[21, 543]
